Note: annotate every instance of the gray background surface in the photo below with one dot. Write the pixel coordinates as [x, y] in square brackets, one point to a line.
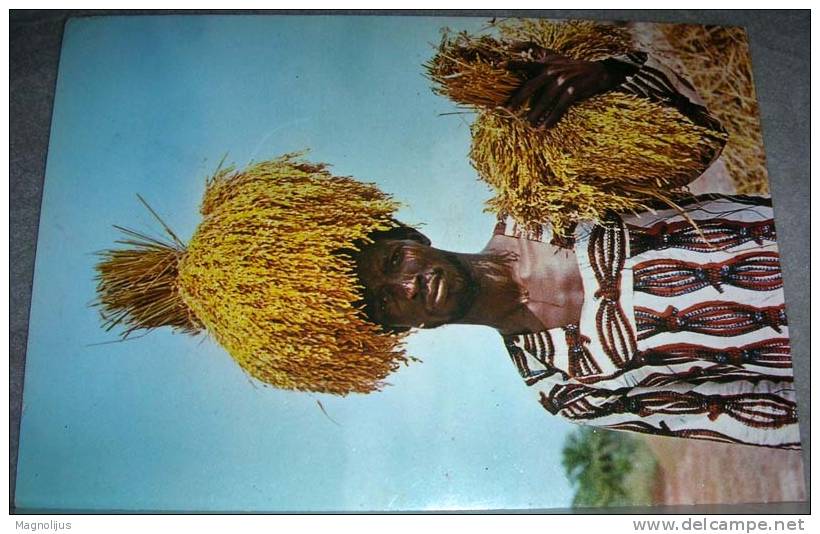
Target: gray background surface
[780, 47]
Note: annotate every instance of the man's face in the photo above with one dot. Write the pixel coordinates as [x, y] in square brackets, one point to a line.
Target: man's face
[410, 284]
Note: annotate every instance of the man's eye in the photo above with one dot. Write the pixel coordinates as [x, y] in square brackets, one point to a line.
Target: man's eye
[396, 257]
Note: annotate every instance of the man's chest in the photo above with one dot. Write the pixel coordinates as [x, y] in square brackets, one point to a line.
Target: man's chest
[549, 277]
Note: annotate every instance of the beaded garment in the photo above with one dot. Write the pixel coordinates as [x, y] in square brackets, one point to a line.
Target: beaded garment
[678, 336]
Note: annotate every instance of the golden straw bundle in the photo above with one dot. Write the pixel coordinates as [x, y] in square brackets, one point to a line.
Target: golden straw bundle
[266, 273]
[610, 152]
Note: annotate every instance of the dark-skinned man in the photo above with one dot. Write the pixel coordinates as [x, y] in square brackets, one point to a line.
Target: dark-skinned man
[643, 323]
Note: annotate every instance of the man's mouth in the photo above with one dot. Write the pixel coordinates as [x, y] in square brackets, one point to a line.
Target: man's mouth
[436, 292]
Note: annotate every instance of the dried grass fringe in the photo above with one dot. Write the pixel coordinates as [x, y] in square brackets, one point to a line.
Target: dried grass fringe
[613, 152]
[264, 275]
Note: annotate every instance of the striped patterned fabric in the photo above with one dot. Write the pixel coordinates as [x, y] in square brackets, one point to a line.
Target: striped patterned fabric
[683, 330]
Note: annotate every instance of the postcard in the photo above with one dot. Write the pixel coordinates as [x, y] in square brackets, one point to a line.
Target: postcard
[372, 263]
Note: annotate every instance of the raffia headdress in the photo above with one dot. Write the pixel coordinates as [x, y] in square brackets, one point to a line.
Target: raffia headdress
[267, 275]
[613, 151]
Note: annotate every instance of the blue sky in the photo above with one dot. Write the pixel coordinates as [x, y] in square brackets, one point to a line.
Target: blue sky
[150, 105]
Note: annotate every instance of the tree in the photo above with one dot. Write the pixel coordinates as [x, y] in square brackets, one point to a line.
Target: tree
[597, 463]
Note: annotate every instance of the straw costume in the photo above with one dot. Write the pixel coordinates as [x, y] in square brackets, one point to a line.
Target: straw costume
[683, 330]
[268, 273]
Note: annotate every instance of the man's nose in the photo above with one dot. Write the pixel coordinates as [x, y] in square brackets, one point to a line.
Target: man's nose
[409, 286]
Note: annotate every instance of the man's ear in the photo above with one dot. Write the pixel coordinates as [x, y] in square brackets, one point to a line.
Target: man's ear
[401, 232]
[408, 232]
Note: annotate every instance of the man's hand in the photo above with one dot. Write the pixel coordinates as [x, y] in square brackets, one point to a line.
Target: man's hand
[554, 82]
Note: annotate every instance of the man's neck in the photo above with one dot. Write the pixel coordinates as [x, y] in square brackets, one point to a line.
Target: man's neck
[524, 286]
[499, 300]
